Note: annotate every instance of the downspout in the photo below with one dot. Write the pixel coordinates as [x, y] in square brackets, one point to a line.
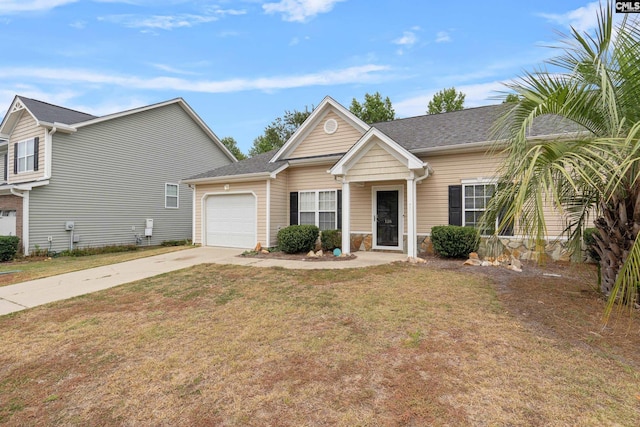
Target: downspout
[47, 153]
[25, 218]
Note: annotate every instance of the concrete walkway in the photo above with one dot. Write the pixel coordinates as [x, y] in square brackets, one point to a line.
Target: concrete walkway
[55, 288]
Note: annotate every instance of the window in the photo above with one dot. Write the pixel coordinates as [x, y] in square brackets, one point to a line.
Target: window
[171, 196]
[469, 201]
[318, 208]
[26, 155]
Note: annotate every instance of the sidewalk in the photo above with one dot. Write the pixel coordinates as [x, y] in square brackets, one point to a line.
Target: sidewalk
[42, 291]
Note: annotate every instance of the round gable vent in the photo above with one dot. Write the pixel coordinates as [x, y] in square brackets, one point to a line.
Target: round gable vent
[330, 126]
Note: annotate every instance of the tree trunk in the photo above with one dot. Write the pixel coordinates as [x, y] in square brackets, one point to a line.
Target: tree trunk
[618, 228]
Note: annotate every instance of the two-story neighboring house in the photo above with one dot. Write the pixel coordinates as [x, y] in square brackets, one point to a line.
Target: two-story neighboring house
[71, 179]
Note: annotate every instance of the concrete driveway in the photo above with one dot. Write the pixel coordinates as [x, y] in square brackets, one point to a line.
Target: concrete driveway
[42, 291]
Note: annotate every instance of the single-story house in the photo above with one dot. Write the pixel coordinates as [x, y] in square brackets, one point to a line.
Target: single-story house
[384, 185]
[70, 179]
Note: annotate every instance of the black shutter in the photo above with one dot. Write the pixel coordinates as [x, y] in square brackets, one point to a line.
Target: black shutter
[36, 148]
[6, 165]
[455, 205]
[339, 213]
[15, 158]
[293, 208]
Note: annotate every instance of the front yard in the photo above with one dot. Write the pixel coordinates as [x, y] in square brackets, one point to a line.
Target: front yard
[391, 345]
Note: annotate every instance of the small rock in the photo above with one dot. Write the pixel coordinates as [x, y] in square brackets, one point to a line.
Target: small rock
[514, 268]
[473, 255]
[516, 262]
[416, 260]
[258, 247]
[264, 251]
[312, 254]
[485, 264]
[473, 261]
[319, 253]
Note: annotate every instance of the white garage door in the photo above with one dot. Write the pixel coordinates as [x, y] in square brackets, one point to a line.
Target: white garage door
[231, 220]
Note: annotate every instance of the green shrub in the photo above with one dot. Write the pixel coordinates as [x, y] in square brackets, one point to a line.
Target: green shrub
[331, 239]
[184, 242]
[452, 241]
[298, 238]
[98, 250]
[590, 242]
[8, 247]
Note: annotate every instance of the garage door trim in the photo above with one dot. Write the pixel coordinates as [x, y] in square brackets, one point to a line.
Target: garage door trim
[203, 208]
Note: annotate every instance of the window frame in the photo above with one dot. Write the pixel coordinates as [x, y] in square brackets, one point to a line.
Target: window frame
[476, 182]
[31, 142]
[317, 211]
[167, 195]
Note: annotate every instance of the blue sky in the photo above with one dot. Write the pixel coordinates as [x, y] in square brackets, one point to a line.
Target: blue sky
[240, 64]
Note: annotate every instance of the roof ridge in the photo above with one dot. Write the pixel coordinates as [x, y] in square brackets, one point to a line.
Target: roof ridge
[439, 114]
[55, 105]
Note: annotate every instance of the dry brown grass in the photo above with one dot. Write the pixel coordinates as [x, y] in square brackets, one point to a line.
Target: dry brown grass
[385, 346]
[38, 267]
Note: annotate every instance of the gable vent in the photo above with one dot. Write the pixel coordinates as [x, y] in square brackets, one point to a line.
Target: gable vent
[330, 126]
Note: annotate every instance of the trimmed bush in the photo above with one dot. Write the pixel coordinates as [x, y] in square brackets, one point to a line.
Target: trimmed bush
[8, 247]
[298, 238]
[331, 239]
[184, 242]
[590, 242]
[452, 241]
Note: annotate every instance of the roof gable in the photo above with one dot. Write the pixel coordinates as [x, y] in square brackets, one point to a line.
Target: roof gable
[328, 107]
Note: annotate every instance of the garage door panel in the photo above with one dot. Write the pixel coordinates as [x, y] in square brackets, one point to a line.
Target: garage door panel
[231, 220]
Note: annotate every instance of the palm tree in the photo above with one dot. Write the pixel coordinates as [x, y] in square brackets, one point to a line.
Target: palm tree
[593, 172]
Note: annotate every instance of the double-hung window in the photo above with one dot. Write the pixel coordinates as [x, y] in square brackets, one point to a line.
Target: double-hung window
[475, 196]
[319, 208]
[171, 196]
[26, 156]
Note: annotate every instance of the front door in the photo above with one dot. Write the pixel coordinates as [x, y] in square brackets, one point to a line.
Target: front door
[387, 218]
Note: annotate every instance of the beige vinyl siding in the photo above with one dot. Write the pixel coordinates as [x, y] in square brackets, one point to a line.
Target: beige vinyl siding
[451, 169]
[377, 165]
[279, 201]
[318, 142]
[26, 128]
[314, 177]
[259, 188]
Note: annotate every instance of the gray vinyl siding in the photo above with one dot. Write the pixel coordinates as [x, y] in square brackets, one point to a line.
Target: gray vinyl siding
[110, 176]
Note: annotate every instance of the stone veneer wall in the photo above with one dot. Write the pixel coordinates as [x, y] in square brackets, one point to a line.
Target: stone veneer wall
[523, 249]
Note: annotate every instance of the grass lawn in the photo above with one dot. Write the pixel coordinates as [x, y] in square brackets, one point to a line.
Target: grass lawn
[37, 268]
[385, 346]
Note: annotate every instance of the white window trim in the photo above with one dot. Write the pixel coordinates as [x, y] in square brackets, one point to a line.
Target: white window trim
[477, 181]
[26, 156]
[166, 195]
[317, 210]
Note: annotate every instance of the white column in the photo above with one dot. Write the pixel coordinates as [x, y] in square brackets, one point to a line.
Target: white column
[411, 219]
[346, 218]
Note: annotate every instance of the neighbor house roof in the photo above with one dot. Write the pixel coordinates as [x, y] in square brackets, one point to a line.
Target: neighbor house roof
[50, 113]
[472, 125]
[257, 165]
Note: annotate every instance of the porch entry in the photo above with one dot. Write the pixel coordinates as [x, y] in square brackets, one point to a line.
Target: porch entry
[387, 218]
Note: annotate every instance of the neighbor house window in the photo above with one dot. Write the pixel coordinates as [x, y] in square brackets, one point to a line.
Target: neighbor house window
[26, 156]
[171, 196]
[319, 208]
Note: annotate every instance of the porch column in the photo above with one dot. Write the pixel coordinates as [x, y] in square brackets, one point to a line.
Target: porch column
[412, 242]
[346, 218]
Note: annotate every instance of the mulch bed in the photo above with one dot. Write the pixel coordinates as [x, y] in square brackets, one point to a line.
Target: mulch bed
[328, 256]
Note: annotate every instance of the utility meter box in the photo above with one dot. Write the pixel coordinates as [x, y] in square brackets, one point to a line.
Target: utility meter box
[69, 225]
[148, 223]
[148, 232]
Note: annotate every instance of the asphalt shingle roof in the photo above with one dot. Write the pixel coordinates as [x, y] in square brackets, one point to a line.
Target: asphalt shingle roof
[52, 113]
[460, 127]
[257, 164]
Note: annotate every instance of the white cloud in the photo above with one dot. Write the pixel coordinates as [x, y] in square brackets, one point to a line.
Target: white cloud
[443, 37]
[582, 19]
[408, 39]
[299, 10]
[17, 6]
[170, 69]
[475, 95]
[169, 22]
[369, 73]
[78, 25]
